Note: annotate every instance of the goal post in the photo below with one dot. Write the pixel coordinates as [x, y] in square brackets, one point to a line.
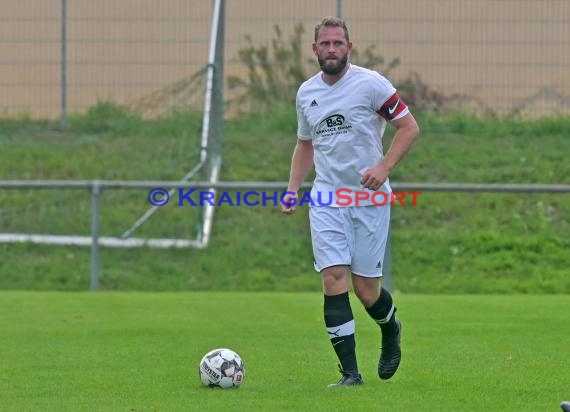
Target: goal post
[33, 213]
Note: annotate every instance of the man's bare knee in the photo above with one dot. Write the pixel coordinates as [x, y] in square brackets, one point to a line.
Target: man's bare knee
[366, 289]
[335, 280]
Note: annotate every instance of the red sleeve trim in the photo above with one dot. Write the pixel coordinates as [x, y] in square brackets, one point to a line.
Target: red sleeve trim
[393, 107]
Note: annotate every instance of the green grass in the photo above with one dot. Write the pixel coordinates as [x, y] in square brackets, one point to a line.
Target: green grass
[450, 242]
[140, 352]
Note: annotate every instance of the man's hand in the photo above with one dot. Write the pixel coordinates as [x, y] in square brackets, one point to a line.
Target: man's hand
[374, 177]
[289, 202]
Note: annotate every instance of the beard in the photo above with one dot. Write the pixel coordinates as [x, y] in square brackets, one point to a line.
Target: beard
[333, 67]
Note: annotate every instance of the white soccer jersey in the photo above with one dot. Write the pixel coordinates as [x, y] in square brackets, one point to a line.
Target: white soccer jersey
[346, 122]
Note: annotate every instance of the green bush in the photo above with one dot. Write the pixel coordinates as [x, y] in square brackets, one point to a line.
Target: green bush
[105, 117]
[275, 73]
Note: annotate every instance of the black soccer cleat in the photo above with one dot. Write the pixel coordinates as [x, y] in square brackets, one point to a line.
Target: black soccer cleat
[347, 379]
[565, 406]
[391, 353]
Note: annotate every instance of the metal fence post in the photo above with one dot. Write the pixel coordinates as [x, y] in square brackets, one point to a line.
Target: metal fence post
[339, 9]
[95, 197]
[63, 115]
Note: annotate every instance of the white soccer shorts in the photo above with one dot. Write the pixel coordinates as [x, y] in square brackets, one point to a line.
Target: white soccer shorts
[353, 236]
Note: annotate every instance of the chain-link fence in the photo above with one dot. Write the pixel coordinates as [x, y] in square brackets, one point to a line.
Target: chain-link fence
[490, 56]
[145, 54]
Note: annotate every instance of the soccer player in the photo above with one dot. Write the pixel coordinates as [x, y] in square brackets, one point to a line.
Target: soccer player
[342, 113]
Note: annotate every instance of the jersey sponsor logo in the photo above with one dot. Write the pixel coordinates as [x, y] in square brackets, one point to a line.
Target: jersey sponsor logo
[333, 126]
[332, 121]
[314, 103]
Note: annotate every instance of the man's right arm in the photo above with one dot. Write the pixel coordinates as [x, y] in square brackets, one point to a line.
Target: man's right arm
[301, 165]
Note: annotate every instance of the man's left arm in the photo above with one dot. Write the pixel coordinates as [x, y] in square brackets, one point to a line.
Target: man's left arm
[407, 132]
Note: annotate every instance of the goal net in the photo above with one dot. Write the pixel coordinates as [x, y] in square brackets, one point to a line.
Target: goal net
[75, 212]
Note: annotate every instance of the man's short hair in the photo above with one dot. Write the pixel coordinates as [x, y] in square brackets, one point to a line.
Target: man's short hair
[331, 22]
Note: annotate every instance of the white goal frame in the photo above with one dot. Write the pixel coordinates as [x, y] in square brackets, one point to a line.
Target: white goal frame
[209, 166]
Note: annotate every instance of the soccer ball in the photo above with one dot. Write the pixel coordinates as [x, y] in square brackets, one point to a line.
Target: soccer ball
[223, 368]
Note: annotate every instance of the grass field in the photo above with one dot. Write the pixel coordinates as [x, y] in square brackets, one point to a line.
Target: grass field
[449, 243]
[140, 352]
